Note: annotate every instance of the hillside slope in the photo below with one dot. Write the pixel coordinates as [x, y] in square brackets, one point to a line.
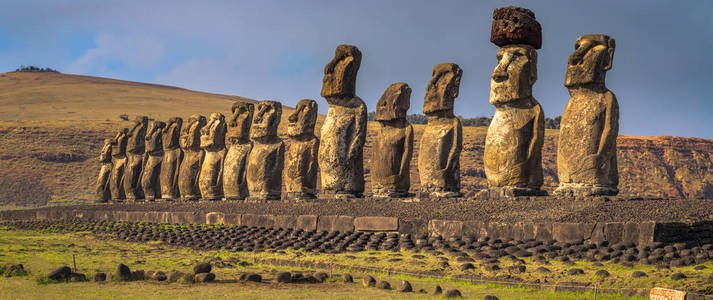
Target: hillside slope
[52, 127]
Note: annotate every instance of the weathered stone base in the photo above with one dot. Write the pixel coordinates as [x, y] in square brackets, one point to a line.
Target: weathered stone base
[262, 197]
[295, 196]
[509, 192]
[390, 193]
[584, 190]
[216, 198]
[340, 195]
[191, 198]
[439, 192]
[236, 198]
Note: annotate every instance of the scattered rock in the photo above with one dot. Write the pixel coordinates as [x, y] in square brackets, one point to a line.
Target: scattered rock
[321, 276]
[205, 277]
[517, 269]
[159, 276]
[698, 268]
[454, 293]
[175, 276]
[61, 273]
[543, 270]
[138, 275]
[405, 287]
[601, 273]
[467, 266]
[10, 270]
[284, 277]
[348, 278]
[383, 284]
[490, 297]
[253, 277]
[575, 271]
[638, 274]
[202, 268]
[187, 278]
[77, 277]
[368, 281]
[100, 277]
[437, 290]
[678, 276]
[123, 272]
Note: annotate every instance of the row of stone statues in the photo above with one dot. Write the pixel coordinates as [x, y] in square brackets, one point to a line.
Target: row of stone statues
[243, 158]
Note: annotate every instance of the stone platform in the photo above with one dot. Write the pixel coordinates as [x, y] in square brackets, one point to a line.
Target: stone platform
[541, 218]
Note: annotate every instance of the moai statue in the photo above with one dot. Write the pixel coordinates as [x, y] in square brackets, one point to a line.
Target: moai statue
[152, 165]
[192, 158]
[266, 159]
[103, 192]
[235, 186]
[394, 143]
[172, 156]
[301, 155]
[442, 139]
[210, 179]
[135, 148]
[118, 155]
[586, 155]
[513, 146]
[341, 151]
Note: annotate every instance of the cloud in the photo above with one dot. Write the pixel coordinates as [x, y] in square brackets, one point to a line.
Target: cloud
[111, 52]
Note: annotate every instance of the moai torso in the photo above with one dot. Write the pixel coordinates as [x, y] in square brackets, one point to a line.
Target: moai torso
[152, 166]
[513, 146]
[442, 139]
[118, 155]
[341, 151]
[393, 147]
[102, 190]
[136, 139]
[172, 156]
[192, 158]
[235, 185]
[266, 159]
[586, 154]
[302, 148]
[210, 181]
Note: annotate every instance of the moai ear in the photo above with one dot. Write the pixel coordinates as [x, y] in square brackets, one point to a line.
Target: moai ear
[610, 48]
[533, 65]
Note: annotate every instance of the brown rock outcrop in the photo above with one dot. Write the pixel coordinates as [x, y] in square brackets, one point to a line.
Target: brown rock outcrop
[103, 192]
[442, 139]
[192, 158]
[515, 25]
[586, 154]
[341, 151]
[118, 155]
[513, 145]
[266, 159]
[301, 165]
[210, 180]
[152, 165]
[393, 147]
[135, 148]
[172, 156]
[235, 185]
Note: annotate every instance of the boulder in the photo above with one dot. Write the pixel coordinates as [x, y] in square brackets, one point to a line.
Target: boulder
[123, 272]
[383, 284]
[405, 287]
[175, 276]
[368, 281]
[205, 277]
[283, 277]
[60, 273]
[159, 276]
[454, 293]
[99, 277]
[202, 268]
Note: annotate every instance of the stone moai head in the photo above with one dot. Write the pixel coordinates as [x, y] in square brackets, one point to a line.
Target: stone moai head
[266, 119]
[213, 133]
[240, 121]
[105, 154]
[172, 133]
[191, 133]
[154, 136]
[442, 89]
[394, 103]
[515, 25]
[514, 75]
[304, 118]
[118, 143]
[592, 58]
[136, 134]
[339, 81]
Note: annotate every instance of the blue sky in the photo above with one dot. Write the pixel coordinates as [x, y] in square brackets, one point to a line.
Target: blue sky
[662, 74]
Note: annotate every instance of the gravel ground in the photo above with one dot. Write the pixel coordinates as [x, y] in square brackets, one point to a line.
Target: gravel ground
[540, 210]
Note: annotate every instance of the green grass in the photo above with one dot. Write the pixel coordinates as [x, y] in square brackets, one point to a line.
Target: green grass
[41, 252]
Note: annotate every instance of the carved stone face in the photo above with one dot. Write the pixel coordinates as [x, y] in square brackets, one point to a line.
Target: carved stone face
[592, 58]
[154, 135]
[340, 74]
[118, 143]
[442, 89]
[304, 118]
[190, 134]
[172, 133]
[137, 134]
[213, 133]
[514, 75]
[266, 119]
[105, 155]
[394, 103]
[240, 120]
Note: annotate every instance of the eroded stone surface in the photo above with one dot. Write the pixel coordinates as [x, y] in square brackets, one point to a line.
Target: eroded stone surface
[210, 181]
[513, 145]
[301, 152]
[586, 154]
[118, 155]
[152, 166]
[393, 147]
[515, 25]
[135, 147]
[266, 159]
[341, 151]
[172, 156]
[102, 190]
[442, 139]
[235, 185]
[192, 158]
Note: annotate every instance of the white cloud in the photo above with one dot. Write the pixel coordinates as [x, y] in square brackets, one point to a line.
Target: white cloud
[134, 51]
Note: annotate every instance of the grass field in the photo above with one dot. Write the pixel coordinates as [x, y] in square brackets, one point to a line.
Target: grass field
[41, 252]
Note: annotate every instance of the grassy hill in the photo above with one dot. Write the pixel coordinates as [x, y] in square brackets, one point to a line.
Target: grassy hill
[52, 126]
